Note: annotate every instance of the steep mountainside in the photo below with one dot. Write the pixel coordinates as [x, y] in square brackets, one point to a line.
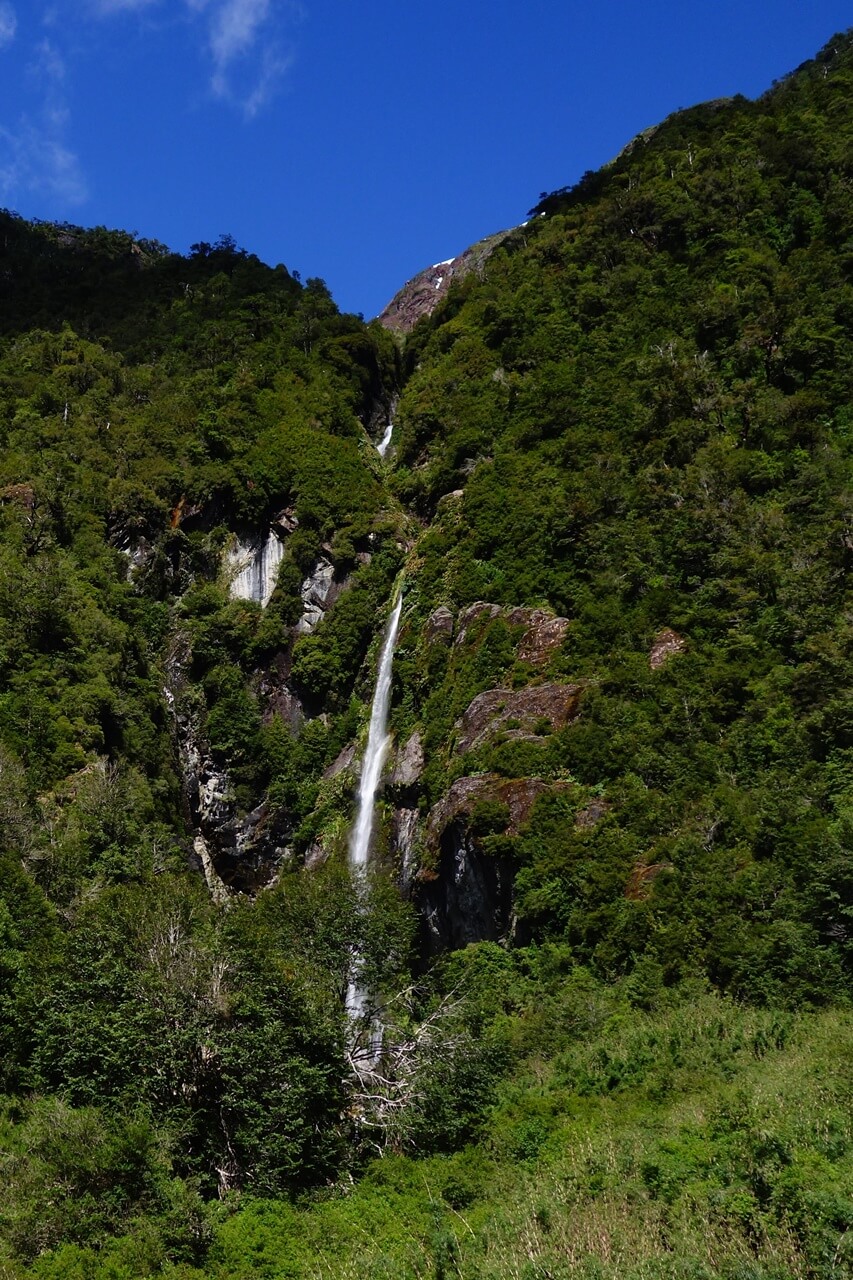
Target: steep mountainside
[420, 296]
[612, 879]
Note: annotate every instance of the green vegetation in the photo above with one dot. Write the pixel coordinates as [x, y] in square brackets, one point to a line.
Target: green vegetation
[637, 416]
[661, 1137]
[647, 404]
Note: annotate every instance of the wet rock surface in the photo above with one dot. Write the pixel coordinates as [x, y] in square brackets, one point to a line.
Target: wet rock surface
[468, 896]
[468, 900]
[403, 840]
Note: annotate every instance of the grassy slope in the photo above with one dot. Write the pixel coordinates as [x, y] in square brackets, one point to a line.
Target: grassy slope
[700, 1140]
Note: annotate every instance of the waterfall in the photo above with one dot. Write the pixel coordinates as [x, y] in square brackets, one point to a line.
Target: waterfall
[382, 447]
[371, 771]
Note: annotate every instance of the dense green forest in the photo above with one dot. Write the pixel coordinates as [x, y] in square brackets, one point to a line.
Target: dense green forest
[609, 921]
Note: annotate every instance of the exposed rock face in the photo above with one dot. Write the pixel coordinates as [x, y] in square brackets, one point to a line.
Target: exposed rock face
[316, 855]
[279, 699]
[403, 837]
[470, 899]
[667, 644]
[317, 595]
[215, 887]
[342, 762]
[438, 627]
[249, 849]
[240, 853]
[543, 633]
[526, 709]
[409, 763]
[518, 795]
[253, 567]
[424, 291]
[471, 614]
[140, 554]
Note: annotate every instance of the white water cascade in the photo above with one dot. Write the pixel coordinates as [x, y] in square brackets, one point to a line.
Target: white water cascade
[382, 447]
[371, 771]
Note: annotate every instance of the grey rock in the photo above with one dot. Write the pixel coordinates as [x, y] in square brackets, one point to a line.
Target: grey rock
[439, 626]
[316, 592]
[341, 762]
[409, 764]
[404, 836]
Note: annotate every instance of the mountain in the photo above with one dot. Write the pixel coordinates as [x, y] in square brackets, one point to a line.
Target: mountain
[607, 928]
[420, 296]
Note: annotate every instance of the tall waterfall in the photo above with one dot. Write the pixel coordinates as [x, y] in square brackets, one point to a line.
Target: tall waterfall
[382, 447]
[371, 771]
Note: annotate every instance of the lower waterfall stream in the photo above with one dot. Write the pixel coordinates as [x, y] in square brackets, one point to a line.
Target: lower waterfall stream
[362, 831]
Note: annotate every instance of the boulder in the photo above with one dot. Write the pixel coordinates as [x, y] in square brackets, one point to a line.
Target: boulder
[526, 708]
[543, 634]
[438, 627]
[479, 609]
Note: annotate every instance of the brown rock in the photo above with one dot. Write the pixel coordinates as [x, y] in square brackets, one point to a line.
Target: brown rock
[518, 794]
[591, 814]
[439, 626]
[667, 643]
[480, 608]
[422, 294]
[489, 712]
[642, 878]
[543, 634]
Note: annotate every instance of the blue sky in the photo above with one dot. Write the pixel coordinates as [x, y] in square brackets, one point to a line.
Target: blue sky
[357, 142]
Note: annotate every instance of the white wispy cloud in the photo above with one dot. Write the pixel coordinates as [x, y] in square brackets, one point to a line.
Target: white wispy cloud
[34, 154]
[244, 73]
[34, 161]
[8, 24]
[241, 40]
[274, 66]
[234, 28]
